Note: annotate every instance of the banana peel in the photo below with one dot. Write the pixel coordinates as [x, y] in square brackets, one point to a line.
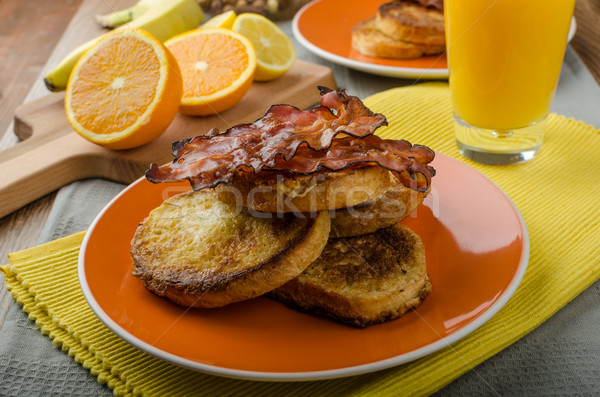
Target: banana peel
[163, 19]
[118, 18]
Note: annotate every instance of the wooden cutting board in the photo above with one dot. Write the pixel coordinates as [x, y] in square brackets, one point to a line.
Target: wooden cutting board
[52, 155]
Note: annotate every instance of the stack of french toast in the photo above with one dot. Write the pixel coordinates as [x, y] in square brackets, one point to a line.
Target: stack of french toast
[324, 240]
[402, 29]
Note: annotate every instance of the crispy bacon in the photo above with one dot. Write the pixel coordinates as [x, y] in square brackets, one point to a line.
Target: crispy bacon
[399, 156]
[335, 135]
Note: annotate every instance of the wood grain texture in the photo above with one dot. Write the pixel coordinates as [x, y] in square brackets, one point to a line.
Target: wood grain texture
[28, 35]
[53, 155]
[586, 42]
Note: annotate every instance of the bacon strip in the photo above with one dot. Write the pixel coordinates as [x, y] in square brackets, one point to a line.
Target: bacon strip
[399, 156]
[333, 135]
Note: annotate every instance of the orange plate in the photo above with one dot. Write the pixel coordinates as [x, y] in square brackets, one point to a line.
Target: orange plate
[477, 251]
[324, 28]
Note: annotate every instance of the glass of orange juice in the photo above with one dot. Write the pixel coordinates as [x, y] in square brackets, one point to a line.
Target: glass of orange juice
[504, 60]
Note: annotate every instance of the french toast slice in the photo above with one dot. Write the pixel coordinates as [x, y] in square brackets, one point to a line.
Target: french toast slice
[411, 21]
[369, 40]
[201, 252]
[362, 280]
[287, 192]
[393, 204]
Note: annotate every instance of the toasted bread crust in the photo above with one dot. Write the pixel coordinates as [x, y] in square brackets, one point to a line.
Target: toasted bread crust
[280, 192]
[369, 40]
[362, 280]
[392, 205]
[412, 22]
[200, 252]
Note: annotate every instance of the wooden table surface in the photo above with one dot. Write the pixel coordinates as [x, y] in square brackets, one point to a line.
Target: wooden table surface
[28, 37]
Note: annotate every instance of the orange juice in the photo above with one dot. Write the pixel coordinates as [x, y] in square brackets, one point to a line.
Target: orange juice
[504, 59]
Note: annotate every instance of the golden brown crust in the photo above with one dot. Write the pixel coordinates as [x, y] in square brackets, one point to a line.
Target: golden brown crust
[369, 40]
[392, 205]
[201, 252]
[363, 280]
[412, 22]
[277, 192]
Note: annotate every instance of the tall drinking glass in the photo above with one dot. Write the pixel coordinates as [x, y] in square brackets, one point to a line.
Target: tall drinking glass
[504, 59]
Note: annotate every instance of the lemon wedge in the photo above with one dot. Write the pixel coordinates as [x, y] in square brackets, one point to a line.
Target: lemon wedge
[224, 20]
[275, 53]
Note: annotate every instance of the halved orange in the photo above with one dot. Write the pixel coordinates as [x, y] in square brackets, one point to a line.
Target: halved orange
[217, 66]
[124, 91]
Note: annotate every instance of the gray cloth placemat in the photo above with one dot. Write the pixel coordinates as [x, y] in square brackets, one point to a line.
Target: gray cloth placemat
[561, 357]
[30, 365]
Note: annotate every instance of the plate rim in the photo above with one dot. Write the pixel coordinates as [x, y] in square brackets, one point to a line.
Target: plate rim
[382, 70]
[306, 375]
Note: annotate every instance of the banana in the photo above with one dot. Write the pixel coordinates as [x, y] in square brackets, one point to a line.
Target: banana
[120, 17]
[165, 19]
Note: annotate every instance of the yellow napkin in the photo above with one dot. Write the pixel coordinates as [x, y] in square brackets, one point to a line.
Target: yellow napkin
[557, 194]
